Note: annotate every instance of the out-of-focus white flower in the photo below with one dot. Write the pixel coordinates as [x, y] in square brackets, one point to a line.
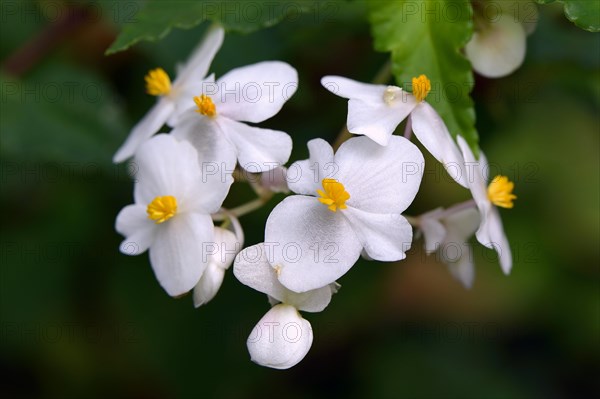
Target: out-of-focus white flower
[252, 93]
[173, 97]
[487, 197]
[447, 233]
[171, 214]
[499, 42]
[376, 111]
[226, 246]
[349, 201]
[282, 338]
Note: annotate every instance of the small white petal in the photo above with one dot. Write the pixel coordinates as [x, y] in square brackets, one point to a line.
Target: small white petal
[499, 48]
[474, 172]
[311, 245]
[431, 131]
[464, 270]
[385, 237]
[145, 128]
[349, 88]
[178, 255]
[491, 234]
[258, 150]
[208, 285]
[281, 339]
[253, 269]
[255, 92]
[133, 223]
[434, 232]
[197, 66]
[380, 179]
[460, 227]
[305, 177]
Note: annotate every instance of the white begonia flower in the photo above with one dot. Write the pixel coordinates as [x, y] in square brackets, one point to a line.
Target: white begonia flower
[498, 193]
[447, 234]
[173, 97]
[171, 214]
[349, 201]
[253, 94]
[282, 337]
[221, 254]
[376, 111]
[498, 45]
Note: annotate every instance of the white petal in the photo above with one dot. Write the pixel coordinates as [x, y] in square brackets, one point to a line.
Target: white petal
[380, 179]
[476, 181]
[349, 88]
[377, 121]
[253, 269]
[498, 48]
[199, 62]
[255, 92]
[491, 234]
[305, 177]
[184, 98]
[145, 128]
[385, 237]
[221, 252]
[178, 254]
[275, 180]
[133, 223]
[280, 339]
[434, 232]
[208, 285]
[258, 150]
[462, 225]
[170, 167]
[311, 245]
[431, 131]
[464, 270]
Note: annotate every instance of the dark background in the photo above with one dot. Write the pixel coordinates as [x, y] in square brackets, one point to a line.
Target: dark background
[79, 319]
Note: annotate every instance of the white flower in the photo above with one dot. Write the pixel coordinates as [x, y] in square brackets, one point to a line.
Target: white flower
[498, 45]
[282, 337]
[376, 111]
[171, 214]
[498, 193]
[174, 98]
[253, 94]
[221, 255]
[362, 191]
[447, 233]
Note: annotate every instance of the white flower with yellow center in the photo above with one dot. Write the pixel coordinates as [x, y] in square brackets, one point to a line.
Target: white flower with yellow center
[171, 213]
[253, 93]
[376, 111]
[488, 198]
[282, 337]
[447, 232]
[173, 97]
[348, 202]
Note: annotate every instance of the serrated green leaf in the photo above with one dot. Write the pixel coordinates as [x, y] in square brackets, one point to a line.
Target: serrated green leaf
[158, 17]
[583, 13]
[426, 38]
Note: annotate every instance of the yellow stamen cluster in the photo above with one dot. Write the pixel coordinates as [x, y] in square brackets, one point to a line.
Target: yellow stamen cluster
[158, 82]
[205, 105]
[334, 196]
[421, 87]
[500, 192]
[162, 209]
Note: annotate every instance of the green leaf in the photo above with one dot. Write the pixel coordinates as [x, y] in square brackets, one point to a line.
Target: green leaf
[158, 17]
[583, 13]
[426, 38]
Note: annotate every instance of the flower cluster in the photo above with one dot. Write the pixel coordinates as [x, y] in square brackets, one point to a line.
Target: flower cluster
[344, 204]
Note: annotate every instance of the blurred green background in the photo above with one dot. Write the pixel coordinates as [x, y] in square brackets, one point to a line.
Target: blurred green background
[78, 319]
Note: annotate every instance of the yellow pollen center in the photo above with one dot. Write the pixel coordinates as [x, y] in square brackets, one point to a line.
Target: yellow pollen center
[162, 209]
[500, 192]
[334, 195]
[158, 82]
[421, 87]
[205, 105]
